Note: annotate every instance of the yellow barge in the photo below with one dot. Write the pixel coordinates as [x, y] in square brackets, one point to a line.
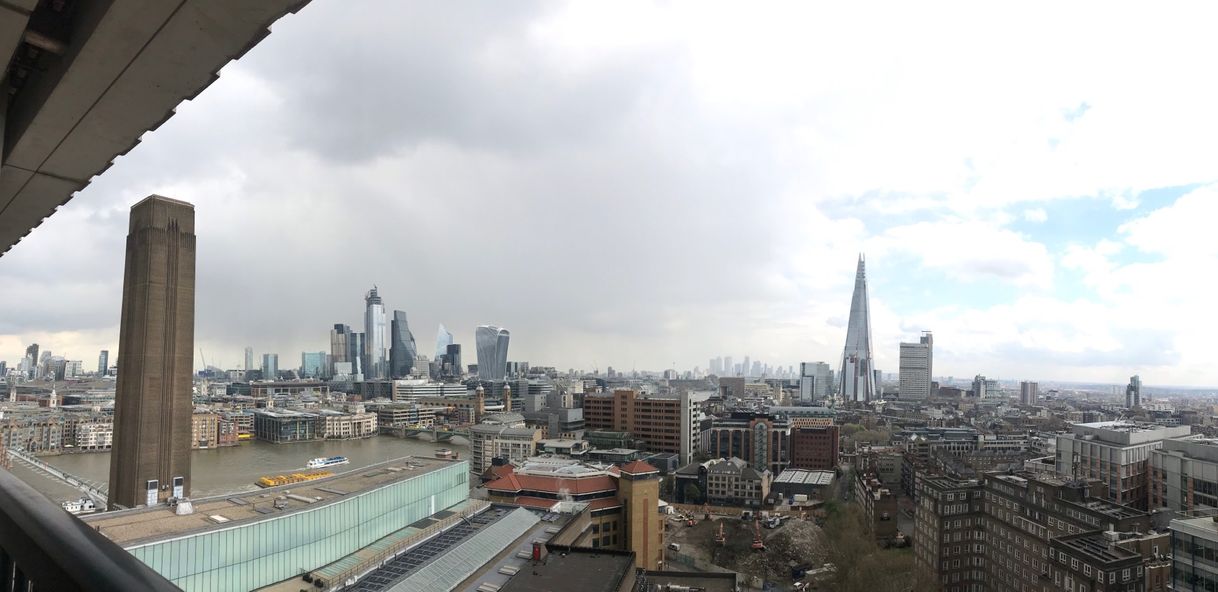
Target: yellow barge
[278, 480]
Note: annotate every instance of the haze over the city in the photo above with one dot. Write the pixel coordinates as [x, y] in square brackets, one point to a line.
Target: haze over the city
[651, 185]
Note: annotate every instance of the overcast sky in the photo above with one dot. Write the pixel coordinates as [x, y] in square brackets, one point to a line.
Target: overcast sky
[638, 185]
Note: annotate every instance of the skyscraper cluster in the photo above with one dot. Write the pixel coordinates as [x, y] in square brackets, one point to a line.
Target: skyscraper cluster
[723, 366]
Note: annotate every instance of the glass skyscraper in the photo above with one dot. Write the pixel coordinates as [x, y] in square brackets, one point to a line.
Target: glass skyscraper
[444, 338]
[858, 376]
[340, 347]
[492, 345]
[376, 365]
[402, 348]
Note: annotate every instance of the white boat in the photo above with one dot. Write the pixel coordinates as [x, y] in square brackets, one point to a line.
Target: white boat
[322, 461]
[83, 505]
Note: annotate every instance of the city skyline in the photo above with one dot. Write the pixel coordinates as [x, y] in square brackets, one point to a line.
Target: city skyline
[1032, 230]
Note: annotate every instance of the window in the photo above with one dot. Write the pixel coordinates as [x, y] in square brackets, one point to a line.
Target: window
[1125, 575]
[1086, 570]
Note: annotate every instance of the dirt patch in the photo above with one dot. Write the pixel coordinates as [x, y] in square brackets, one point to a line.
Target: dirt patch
[795, 543]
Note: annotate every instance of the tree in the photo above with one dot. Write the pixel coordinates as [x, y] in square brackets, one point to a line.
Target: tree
[693, 495]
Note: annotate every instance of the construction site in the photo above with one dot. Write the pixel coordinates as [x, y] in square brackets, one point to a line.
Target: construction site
[760, 549]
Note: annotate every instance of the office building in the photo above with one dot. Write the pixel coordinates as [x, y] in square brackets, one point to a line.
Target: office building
[282, 425]
[858, 376]
[879, 506]
[253, 540]
[917, 361]
[663, 424]
[402, 349]
[815, 382]
[948, 539]
[249, 358]
[1116, 453]
[376, 352]
[270, 366]
[103, 363]
[444, 338]
[762, 440]
[451, 361]
[412, 390]
[1194, 545]
[504, 436]
[313, 365]
[732, 482]
[1133, 392]
[1028, 393]
[1184, 474]
[814, 446]
[31, 354]
[491, 343]
[340, 348]
[150, 461]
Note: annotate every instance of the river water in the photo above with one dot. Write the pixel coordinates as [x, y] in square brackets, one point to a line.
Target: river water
[233, 469]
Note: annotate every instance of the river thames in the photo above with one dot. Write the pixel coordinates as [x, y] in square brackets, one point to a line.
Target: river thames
[221, 471]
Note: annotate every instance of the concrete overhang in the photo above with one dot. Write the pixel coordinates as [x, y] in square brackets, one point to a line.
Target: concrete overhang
[87, 78]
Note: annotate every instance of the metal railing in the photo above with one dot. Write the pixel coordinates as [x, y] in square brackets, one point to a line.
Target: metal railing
[44, 548]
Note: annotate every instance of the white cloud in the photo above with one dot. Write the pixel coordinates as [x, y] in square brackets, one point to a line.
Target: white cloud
[1035, 215]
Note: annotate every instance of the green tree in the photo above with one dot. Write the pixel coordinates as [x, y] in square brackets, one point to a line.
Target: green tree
[693, 495]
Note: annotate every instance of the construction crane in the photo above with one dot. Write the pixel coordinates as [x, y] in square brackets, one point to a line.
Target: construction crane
[758, 543]
[720, 537]
[705, 511]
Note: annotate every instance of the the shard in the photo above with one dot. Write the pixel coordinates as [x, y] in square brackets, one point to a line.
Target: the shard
[857, 380]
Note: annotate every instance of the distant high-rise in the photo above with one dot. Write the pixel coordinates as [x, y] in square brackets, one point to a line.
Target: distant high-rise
[1028, 392]
[1133, 392]
[815, 380]
[728, 366]
[402, 348]
[376, 365]
[747, 367]
[916, 367]
[444, 338]
[858, 380]
[452, 359]
[313, 364]
[31, 353]
[270, 366]
[491, 343]
[340, 346]
[103, 363]
[359, 359]
[249, 358]
[150, 458]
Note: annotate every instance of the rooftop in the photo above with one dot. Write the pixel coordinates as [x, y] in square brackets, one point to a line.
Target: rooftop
[571, 568]
[142, 525]
[1097, 547]
[805, 477]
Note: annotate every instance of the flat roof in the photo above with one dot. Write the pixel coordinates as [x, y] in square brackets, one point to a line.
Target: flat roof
[805, 477]
[567, 568]
[151, 524]
[1096, 546]
[659, 581]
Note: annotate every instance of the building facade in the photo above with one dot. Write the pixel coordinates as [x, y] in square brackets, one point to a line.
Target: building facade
[1194, 547]
[1184, 474]
[402, 348]
[376, 352]
[150, 461]
[658, 424]
[491, 343]
[1116, 453]
[762, 440]
[949, 536]
[815, 447]
[916, 367]
[732, 482]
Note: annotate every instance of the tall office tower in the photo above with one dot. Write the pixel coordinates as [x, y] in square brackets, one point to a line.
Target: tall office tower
[270, 366]
[402, 348]
[981, 387]
[249, 358]
[150, 458]
[728, 366]
[3, 369]
[815, 379]
[452, 358]
[491, 343]
[1028, 392]
[103, 362]
[31, 352]
[313, 364]
[374, 336]
[359, 359]
[340, 345]
[747, 367]
[1133, 392]
[858, 381]
[915, 368]
[45, 364]
[444, 338]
